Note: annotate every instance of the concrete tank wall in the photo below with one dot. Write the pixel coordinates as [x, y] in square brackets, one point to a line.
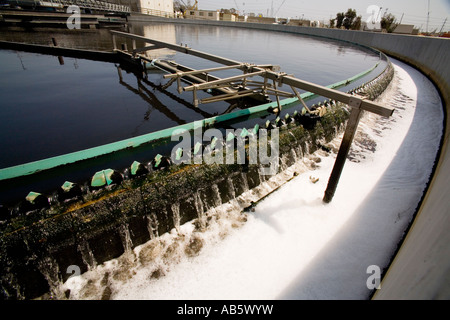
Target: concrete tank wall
[420, 269]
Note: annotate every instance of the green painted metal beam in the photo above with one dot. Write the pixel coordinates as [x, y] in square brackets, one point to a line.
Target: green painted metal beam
[69, 158]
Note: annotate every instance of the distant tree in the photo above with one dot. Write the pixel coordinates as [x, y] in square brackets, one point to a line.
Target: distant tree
[350, 15]
[348, 20]
[388, 22]
[339, 19]
[332, 23]
[232, 10]
[178, 6]
[356, 25]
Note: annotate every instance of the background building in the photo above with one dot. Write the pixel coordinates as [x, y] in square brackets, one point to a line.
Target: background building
[202, 14]
[163, 8]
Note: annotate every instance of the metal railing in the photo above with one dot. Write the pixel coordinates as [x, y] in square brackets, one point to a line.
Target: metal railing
[96, 5]
[84, 4]
[158, 13]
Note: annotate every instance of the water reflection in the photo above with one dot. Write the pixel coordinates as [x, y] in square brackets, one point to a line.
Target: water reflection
[150, 98]
[164, 33]
[21, 60]
[98, 39]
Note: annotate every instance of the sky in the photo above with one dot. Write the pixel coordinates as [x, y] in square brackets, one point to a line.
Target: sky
[414, 11]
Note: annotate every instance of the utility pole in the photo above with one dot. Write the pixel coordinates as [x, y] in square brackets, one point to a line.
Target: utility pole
[428, 15]
[443, 25]
[237, 7]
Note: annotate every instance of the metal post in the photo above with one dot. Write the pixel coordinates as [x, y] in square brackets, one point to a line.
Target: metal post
[195, 86]
[350, 130]
[265, 85]
[114, 41]
[300, 99]
[277, 96]
[179, 87]
[119, 72]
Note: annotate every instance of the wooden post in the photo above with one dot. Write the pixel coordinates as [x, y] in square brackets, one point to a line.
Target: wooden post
[350, 130]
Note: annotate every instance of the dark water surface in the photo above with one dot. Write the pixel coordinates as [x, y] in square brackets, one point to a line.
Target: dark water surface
[51, 106]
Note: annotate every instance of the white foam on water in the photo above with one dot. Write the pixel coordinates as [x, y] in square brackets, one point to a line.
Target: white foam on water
[293, 246]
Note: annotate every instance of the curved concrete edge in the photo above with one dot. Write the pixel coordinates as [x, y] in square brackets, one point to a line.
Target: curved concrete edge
[421, 267]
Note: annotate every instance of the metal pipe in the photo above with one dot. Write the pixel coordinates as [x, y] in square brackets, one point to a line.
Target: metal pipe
[333, 94]
[175, 47]
[227, 96]
[350, 130]
[221, 81]
[173, 75]
[218, 98]
[299, 97]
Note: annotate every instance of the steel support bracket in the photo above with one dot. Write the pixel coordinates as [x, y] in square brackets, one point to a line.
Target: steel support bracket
[355, 102]
[195, 95]
[280, 76]
[179, 87]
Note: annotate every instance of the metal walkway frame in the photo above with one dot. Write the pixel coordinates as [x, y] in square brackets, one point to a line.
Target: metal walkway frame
[355, 102]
